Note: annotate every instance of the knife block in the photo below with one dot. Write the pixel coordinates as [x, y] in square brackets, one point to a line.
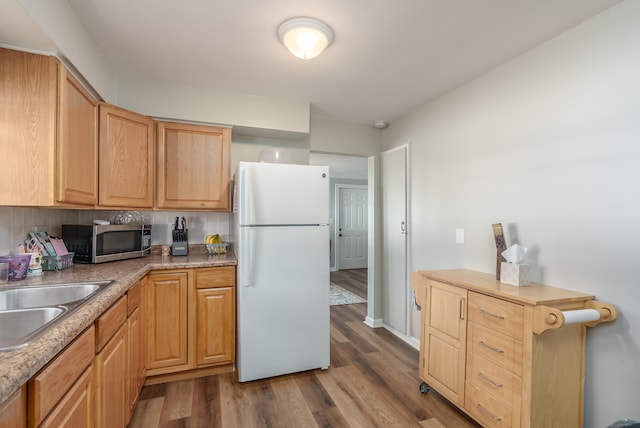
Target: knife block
[179, 246]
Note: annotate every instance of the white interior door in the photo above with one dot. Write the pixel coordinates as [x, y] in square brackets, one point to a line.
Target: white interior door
[352, 227]
[394, 238]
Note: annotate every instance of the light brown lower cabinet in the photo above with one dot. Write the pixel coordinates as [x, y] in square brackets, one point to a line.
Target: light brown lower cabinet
[171, 322]
[191, 322]
[13, 412]
[499, 352]
[167, 318]
[137, 345]
[111, 367]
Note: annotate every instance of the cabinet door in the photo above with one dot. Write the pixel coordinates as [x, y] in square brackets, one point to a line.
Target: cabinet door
[134, 361]
[444, 340]
[111, 376]
[77, 143]
[13, 412]
[137, 350]
[76, 407]
[193, 166]
[127, 158]
[167, 322]
[215, 326]
[27, 136]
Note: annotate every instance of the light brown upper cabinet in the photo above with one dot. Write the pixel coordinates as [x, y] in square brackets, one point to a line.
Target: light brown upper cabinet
[193, 166]
[77, 148]
[49, 138]
[127, 158]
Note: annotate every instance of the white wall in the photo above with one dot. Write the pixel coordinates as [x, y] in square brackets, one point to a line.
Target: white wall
[184, 102]
[549, 145]
[333, 136]
[59, 22]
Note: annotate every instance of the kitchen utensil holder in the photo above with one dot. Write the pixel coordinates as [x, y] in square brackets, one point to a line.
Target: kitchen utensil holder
[180, 246]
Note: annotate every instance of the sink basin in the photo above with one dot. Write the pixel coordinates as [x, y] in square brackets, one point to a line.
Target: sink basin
[27, 312]
[18, 327]
[48, 295]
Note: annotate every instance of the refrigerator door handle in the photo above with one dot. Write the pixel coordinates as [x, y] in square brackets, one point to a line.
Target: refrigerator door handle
[243, 193]
[246, 268]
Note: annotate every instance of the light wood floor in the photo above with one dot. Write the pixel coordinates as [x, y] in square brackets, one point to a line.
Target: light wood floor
[372, 382]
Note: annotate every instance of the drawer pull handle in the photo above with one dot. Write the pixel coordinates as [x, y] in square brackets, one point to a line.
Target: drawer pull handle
[486, 345]
[486, 379]
[489, 314]
[462, 308]
[488, 413]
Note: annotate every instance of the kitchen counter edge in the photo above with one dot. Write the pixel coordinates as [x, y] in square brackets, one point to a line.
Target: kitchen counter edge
[18, 366]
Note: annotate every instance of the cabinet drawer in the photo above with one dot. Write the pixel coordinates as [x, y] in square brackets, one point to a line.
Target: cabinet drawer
[110, 321]
[487, 410]
[47, 387]
[224, 276]
[495, 380]
[499, 315]
[495, 347]
[133, 298]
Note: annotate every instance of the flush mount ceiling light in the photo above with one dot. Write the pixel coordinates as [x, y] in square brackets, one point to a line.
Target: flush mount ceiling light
[305, 37]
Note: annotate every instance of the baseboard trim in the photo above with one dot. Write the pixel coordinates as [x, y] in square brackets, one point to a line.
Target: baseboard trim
[373, 323]
[409, 340]
[377, 323]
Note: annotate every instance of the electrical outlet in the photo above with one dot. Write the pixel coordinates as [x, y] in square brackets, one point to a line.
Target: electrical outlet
[459, 236]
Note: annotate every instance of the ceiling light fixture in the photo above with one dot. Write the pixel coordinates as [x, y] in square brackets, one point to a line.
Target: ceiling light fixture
[305, 37]
[380, 124]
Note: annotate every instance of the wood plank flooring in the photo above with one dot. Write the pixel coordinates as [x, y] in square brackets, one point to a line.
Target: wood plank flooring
[372, 382]
[354, 280]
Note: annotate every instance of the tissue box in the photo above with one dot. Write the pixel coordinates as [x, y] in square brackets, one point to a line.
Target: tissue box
[514, 274]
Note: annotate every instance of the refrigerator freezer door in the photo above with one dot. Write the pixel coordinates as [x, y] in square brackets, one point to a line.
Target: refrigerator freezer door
[283, 300]
[283, 194]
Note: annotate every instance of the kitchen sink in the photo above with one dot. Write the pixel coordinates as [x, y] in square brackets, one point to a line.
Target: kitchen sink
[27, 312]
[47, 295]
[20, 326]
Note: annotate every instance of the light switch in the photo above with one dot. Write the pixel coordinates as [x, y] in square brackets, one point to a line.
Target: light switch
[459, 236]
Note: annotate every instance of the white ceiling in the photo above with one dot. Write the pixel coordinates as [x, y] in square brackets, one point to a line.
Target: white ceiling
[388, 56]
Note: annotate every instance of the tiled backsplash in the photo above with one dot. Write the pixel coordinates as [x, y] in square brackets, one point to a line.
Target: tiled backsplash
[16, 222]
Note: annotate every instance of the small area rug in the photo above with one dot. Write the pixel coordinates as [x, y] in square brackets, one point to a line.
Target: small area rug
[340, 296]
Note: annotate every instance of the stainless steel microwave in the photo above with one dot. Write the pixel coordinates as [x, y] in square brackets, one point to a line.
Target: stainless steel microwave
[94, 243]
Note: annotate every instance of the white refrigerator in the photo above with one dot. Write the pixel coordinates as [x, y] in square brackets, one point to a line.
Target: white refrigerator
[281, 238]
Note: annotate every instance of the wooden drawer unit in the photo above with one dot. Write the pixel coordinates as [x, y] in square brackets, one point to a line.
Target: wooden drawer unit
[494, 360]
[51, 384]
[494, 379]
[503, 354]
[133, 298]
[499, 315]
[110, 322]
[486, 409]
[224, 276]
[495, 347]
